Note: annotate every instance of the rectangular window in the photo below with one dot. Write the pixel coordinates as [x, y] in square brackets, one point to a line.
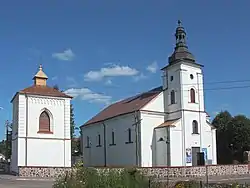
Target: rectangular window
[129, 137]
[112, 139]
[87, 142]
[98, 141]
[172, 97]
[165, 80]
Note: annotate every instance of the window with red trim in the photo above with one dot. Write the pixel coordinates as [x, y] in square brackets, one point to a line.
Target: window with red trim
[44, 123]
[192, 95]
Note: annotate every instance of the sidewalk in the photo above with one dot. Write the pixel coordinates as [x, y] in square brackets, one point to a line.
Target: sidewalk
[212, 179]
[17, 178]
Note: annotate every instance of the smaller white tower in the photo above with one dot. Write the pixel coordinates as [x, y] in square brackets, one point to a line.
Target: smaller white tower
[41, 143]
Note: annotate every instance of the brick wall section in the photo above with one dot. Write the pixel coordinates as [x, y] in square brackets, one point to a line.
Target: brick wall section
[159, 172]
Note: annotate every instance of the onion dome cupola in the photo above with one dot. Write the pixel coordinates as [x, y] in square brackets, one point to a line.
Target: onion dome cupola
[181, 49]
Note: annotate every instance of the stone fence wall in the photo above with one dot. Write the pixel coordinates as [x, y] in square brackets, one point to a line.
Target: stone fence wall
[158, 172]
[42, 172]
[198, 171]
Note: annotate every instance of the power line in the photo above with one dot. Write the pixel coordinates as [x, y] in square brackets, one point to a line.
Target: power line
[226, 88]
[218, 82]
[204, 89]
[208, 89]
[229, 81]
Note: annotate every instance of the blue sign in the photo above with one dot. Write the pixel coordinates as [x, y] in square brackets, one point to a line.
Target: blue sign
[204, 150]
[188, 155]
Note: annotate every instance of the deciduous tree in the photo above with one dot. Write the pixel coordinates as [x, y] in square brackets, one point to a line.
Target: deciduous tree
[233, 137]
[221, 122]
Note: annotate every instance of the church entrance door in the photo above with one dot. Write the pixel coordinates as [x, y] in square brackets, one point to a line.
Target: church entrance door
[195, 151]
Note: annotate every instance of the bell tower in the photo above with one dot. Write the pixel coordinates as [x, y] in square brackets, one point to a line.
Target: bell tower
[184, 96]
[182, 79]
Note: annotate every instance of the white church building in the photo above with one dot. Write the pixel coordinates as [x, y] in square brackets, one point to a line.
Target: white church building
[41, 127]
[166, 126]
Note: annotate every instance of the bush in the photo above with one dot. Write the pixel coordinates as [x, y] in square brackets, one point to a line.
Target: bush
[84, 177]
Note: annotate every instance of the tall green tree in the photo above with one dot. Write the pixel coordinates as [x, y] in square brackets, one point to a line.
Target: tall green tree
[56, 87]
[239, 133]
[75, 143]
[3, 147]
[233, 137]
[221, 122]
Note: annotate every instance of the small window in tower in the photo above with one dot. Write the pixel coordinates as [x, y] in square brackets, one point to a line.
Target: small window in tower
[192, 95]
[195, 127]
[172, 96]
[171, 78]
[191, 76]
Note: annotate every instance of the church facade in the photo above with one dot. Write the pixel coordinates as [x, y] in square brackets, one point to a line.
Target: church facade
[166, 126]
[41, 127]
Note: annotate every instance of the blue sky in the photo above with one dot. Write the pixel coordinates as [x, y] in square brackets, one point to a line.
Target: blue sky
[108, 50]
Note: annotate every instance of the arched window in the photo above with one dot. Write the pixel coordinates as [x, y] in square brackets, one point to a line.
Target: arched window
[44, 122]
[172, 96]
[195, 127]
[192, 95]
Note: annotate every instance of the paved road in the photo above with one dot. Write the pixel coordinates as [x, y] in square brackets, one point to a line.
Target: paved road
[7, 181]
[24, 184]
[242, 179]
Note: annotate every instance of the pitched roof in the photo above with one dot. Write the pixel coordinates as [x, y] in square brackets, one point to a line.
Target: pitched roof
[40, 74]
[43, 91]
[125, 106]
[168, 123]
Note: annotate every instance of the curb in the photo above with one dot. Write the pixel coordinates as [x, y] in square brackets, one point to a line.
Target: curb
[33, 179]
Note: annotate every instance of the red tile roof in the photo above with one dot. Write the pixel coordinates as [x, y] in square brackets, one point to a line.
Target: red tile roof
[44, 91]
[168, 123]
[125, 106]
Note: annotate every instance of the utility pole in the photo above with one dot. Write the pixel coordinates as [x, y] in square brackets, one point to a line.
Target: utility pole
[137, 145]
[7, 138]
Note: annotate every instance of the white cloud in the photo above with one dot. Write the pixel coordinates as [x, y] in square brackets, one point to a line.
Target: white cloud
[139, 77]
[89, 95]
[153, 67]
[108, 82]
[112, 71]
[66, 55]
[54, 78]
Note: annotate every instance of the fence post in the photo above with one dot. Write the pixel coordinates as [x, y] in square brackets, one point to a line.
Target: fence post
[206, 176]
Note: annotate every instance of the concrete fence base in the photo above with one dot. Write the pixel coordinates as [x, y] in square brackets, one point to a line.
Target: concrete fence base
[158, 172]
